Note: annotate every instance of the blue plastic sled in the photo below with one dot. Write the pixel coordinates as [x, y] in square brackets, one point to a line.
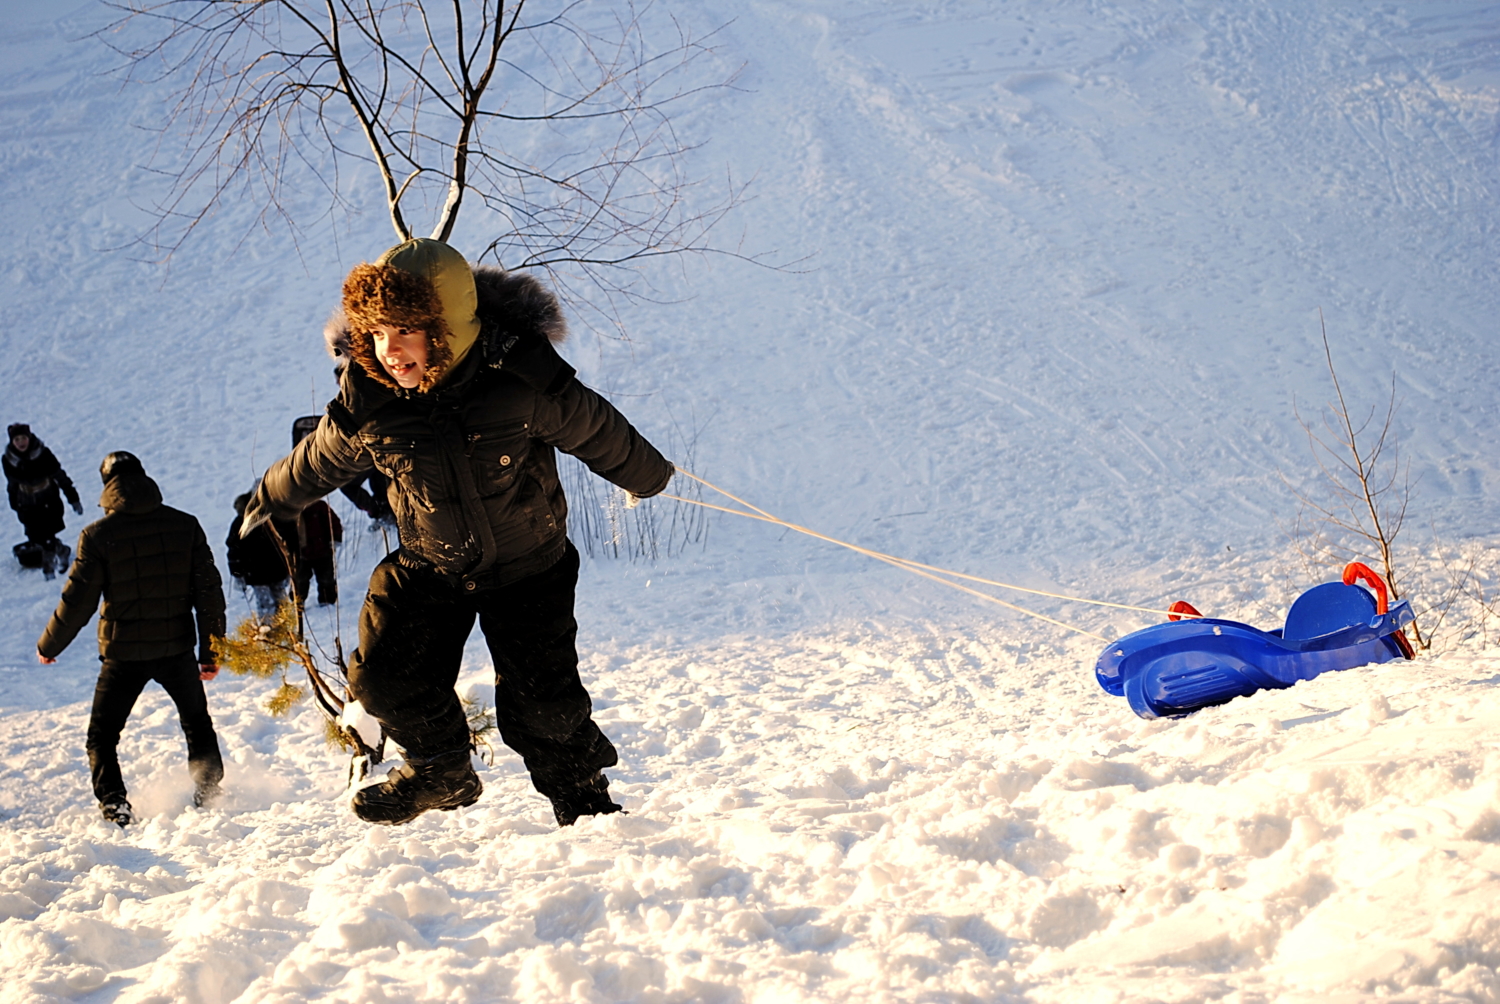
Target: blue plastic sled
[1177, 668]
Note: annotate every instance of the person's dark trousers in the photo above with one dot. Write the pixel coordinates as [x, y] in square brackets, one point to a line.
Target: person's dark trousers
[328, 586]
[120, 684]
[411, 641]
[42, 522]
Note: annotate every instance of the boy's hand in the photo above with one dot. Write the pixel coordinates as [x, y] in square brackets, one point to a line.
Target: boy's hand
[44, 660]
[207, 671]
[78, 507]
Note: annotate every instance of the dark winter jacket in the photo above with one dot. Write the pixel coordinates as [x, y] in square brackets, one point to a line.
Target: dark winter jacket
[152, 565]
[32, 480]
[257, 560]
[475, 484]
[261, 559]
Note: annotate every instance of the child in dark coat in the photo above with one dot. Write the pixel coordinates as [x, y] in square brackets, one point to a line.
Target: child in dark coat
[458, 397]
[33, 478]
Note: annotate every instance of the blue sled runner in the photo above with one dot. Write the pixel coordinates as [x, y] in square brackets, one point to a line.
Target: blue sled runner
[1179, 667]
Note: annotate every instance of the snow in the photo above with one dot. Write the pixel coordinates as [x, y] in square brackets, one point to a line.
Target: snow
[1059, 315]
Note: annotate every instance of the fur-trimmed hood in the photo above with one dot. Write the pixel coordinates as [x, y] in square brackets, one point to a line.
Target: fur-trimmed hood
[515, 303]
[14, 458]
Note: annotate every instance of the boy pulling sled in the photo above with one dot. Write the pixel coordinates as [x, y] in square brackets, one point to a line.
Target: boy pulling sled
[458, 397]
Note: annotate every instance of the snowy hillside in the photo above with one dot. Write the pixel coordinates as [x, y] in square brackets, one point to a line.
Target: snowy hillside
[1055, 314]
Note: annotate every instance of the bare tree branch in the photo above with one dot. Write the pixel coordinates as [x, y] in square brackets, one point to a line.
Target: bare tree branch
[555, 118]
[1368, 493]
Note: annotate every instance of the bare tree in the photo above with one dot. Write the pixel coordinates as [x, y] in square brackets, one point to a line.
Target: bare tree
[1368, 486]
[610, 524]
[556, 117]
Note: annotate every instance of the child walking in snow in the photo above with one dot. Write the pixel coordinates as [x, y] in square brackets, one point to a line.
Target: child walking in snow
[457, 395]
[33, 478]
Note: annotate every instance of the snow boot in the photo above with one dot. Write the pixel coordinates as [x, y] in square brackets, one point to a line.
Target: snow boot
[55, 557]
[591, 798]
[120, 813]
[442, 782]
[206, 793]
[29, 554]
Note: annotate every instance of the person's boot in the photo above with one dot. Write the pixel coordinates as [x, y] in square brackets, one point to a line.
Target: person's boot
[49, 558]
[442, 782]
[206, 770]
[206, 793]
[57, 556]
[120, 813]
[591, 798]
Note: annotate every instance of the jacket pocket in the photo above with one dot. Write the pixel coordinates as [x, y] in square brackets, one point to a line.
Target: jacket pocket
[401, 461]
[536, 509]
[496, 460]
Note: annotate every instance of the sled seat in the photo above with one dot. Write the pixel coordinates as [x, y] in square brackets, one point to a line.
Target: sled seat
[1327, 608]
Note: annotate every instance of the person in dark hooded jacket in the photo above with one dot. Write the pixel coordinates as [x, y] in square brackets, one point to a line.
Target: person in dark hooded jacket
[264, 559]
[257, 560]
[457, 395]
[33, 478]
[162, 599]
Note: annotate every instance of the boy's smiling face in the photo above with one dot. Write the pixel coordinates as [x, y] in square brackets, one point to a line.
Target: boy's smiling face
[402, 352]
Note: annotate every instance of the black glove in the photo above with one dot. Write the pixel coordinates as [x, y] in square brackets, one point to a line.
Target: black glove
[78, 507]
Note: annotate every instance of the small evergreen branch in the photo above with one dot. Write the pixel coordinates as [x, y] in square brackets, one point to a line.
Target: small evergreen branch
[482, 726]
[266, 648]
[287, 697]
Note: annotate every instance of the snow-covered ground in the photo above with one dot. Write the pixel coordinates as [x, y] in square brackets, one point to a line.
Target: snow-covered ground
[1060, 311]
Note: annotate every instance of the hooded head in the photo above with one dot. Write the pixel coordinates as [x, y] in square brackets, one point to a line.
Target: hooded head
[421, 284]
[119, 463]
[126, 486]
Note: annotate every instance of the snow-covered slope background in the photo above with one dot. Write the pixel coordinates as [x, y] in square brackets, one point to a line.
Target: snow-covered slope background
[1061, 306]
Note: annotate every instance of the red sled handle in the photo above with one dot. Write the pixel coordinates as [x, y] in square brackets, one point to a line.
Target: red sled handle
[1180, 609]
[1358, 571]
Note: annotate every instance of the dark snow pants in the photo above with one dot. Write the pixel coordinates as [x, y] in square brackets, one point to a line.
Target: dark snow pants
[412, 630]
[43, 520]
[328, 583]
[120, 684]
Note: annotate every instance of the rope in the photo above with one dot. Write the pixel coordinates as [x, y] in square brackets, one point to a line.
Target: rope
[914, 564]
[917, 564]
[915, 567]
